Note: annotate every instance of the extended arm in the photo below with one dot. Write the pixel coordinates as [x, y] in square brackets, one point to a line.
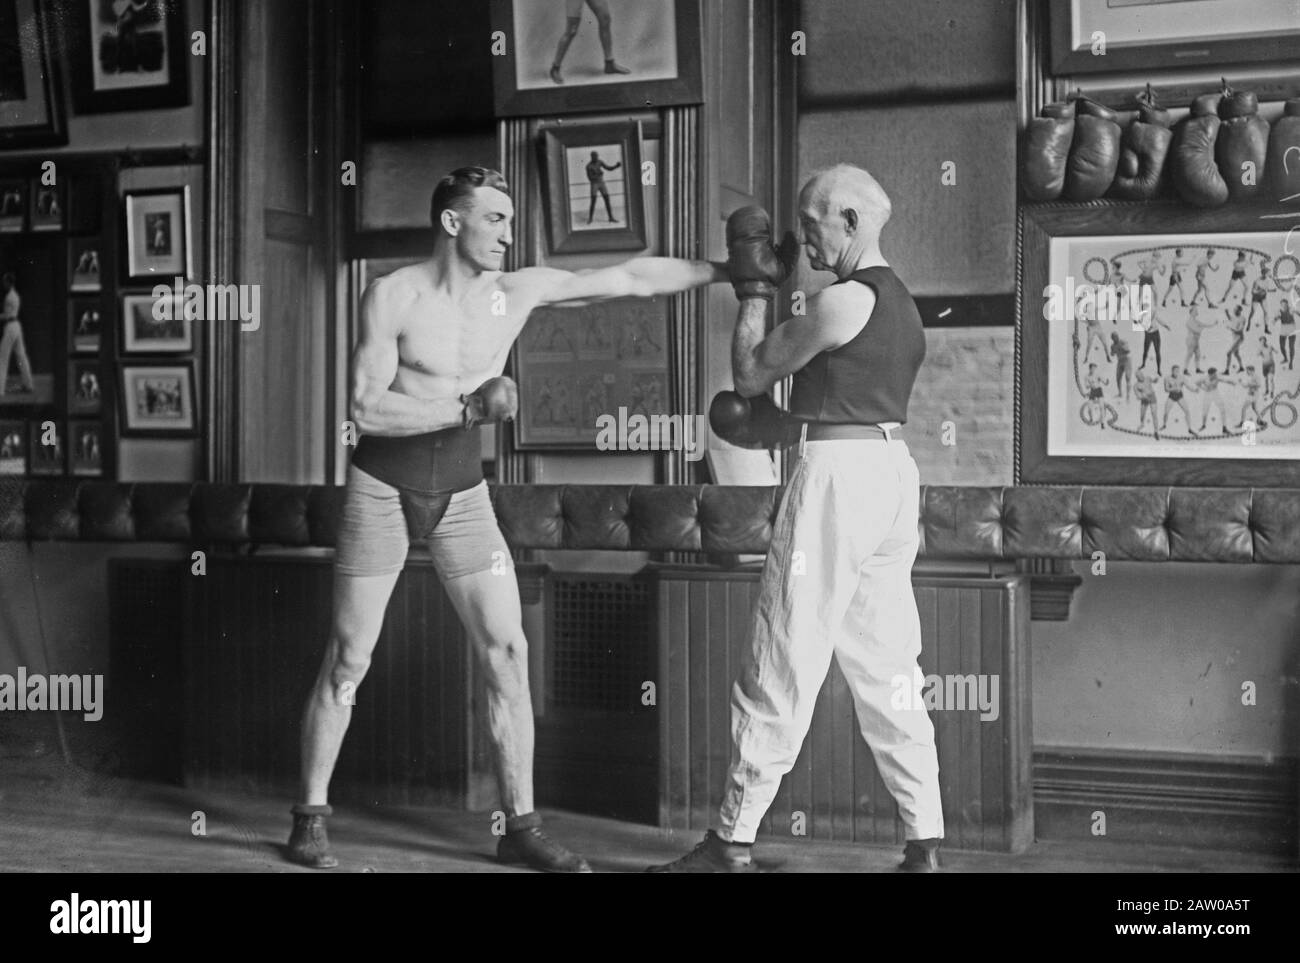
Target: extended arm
[642, 277]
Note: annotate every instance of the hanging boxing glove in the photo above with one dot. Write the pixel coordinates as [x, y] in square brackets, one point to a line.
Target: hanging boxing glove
[1144, 148]
[1283, 161]
[1192, 166]
[1242, 148]
[1044, 151]
[1094, 152]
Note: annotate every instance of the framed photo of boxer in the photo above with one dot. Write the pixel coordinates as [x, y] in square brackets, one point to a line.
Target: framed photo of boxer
[13, 448]
[568, 56]
[143, 333]
[45, 447]
[83, 265]
[85, 325]
[158, 399]
[127, 55]
[85, 390]
[31, 98]
[592, 183]
[1156, 346]
[86, 448]
[157, 234]
[13, 206]
[48, 207]
[1143, 35]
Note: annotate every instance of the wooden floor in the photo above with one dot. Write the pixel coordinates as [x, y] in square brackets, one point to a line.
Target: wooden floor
[59, 817]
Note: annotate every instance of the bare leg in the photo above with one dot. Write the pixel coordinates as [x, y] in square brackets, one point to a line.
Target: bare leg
[605, 24]
[562, 48]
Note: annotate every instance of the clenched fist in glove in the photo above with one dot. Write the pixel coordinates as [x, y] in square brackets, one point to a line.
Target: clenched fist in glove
[752, 422]
[757, 268]
[496, 399]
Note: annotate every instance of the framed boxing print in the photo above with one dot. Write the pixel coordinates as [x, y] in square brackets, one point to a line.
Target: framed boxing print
[1088, 37]
[13, 447]
[592, 183]
[569, 56]
[158, 234]
[31, 99]
[1156, 345]
[158, 399]
[127, 54]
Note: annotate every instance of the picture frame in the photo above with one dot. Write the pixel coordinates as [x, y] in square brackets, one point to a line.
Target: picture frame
[48, 206]
[1146, 35]
[656, 45]
[574, 365]
[13, 206]
[43, 459]
[1075, 426]
[157, 224]
[86, 448]
[13, 447]
[143, 334]
[158, 399]
[85, 268]
[596, 169]
[85, 387]
[127, 55]
[86, 325]
[31, 96]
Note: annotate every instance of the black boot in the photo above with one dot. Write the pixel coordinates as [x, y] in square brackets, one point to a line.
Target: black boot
[920, 856]
[525, 843]
[713, 855]
[309, 845]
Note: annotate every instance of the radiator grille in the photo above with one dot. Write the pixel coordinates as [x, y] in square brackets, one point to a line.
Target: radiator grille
[600, 641]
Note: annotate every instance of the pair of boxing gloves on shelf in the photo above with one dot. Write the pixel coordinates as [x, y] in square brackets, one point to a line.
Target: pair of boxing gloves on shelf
[757, 269]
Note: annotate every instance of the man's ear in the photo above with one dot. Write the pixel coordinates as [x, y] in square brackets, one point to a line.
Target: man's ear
[850, 219]
[450, 222]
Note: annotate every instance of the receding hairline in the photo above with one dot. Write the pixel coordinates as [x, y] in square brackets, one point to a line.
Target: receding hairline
[849, 186]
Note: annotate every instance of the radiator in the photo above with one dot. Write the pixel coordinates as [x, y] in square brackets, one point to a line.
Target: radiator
[834, 792]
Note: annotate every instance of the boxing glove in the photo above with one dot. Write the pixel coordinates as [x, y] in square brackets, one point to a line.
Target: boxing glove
[1094, 151]
[757, 268]
[1143, 148]
[1242, 148]
[1192, 166]
[752, 422]
[1283, 161]
[1045, 148]
[496, 399]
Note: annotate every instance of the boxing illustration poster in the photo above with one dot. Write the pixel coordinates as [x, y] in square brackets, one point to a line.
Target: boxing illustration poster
[576, 365]
[1166, 346]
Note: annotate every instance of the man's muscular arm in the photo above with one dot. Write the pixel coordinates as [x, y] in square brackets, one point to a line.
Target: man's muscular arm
[834, 318]
[375, 409]
[641, 277]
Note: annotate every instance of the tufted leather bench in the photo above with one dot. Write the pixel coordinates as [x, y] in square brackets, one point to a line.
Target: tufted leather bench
[985, 523]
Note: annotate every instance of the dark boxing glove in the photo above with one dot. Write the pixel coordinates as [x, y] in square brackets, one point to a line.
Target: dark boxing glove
[1144, 147]
[1242, 147]
[1045, 148]
[1195, 174]
[496, 399]
[752, 422]
[1094, 151]
[1283, 161]
[757, 268]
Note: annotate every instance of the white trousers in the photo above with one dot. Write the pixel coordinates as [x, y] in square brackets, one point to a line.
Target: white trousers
[837, 581]
[11, 343]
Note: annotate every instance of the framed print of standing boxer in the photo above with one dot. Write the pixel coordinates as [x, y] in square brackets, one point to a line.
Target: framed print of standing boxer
[567, 56]
[127, 55]
[1151, 354]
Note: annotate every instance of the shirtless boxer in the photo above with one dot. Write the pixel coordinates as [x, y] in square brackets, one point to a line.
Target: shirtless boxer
[1259, 296]
[433, 341]
[1195, 328]
[1144, 386]
[1181, 264]
[1204, 266]
[1175, 385]
[851, 507]
[572, 21]
[1238, 278]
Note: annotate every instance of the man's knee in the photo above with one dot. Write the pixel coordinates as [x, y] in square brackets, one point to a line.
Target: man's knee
[506, 654]
[571, 26]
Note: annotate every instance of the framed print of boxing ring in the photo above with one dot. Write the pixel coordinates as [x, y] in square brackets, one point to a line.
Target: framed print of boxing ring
[591, 178]
[1155, 344]
[570, 56]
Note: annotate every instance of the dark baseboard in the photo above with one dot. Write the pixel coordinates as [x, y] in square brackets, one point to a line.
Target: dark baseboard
[1180, 799]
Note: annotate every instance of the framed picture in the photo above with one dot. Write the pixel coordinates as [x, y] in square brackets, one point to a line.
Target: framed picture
[47, 207]
[86, 447]
[83, 264]
[45, 444]
[561, 58]
[158, 399]
[13, 448]
[583, 368]
[85, 325]
[31, 99]
[127, 55]
[85, 391]
[593, 188]
[13, 206]
[1156, 346]
[1145, 35]
[148, 331]
[157, 234]
[30, 347]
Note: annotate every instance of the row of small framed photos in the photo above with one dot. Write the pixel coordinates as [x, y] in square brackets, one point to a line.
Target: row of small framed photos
[142, 330]
[42, 448]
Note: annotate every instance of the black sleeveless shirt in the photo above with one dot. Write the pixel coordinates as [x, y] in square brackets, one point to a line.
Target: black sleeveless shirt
[870, 379]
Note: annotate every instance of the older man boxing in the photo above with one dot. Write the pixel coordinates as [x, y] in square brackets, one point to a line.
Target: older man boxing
[427, 371]
[850, 510]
